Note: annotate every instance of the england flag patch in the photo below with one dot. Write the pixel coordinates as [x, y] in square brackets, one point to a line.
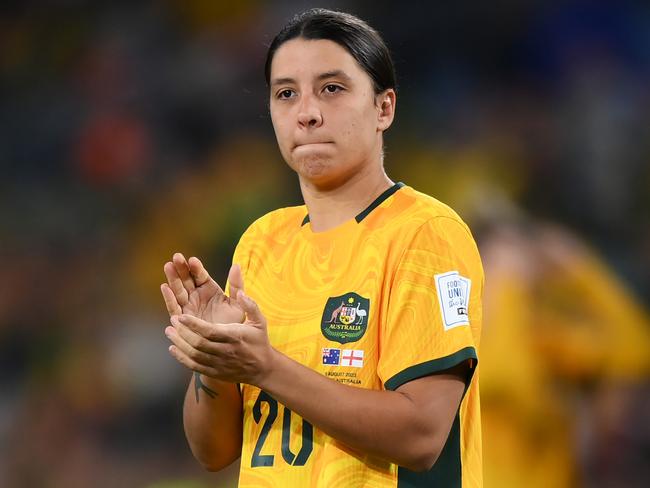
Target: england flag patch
[352, 357]
[453, 295]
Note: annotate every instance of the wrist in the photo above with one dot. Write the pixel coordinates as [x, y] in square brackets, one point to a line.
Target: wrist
[266, 377]
[211, 382]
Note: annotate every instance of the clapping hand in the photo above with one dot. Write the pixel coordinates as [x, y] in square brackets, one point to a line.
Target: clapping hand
[209, 334]
[190, 290]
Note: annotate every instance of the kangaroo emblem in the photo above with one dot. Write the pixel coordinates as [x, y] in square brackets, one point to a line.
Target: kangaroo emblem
[335, 313]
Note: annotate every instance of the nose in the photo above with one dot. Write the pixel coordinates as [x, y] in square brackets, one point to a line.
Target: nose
[309, 114]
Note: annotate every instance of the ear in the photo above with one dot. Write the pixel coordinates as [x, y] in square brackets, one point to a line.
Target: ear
[385, 103]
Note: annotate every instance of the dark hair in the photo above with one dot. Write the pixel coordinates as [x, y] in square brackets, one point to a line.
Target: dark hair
[362, 41]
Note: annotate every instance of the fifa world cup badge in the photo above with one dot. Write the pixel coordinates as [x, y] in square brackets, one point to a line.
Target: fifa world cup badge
[453, 295]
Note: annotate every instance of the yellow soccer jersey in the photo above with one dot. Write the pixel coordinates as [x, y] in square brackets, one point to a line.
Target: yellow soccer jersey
[387, 297]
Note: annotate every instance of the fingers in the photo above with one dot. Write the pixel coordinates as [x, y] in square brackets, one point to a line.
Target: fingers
[196, 352]
[196, 355]
[189, 363]
[173, 308]
[235, 280]
[248, 305]
[198, 271]
[201, 276]
[183, 270]
[176, 284]
[208, 334]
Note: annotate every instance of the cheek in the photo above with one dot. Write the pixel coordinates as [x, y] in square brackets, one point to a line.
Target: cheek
[280, 129]
[363, 122]
[357, 130]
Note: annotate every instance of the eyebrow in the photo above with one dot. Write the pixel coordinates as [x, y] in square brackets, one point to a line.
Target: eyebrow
[336, 73]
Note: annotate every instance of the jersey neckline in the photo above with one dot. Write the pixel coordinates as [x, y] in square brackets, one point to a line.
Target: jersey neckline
[375, 203]
[350, 225]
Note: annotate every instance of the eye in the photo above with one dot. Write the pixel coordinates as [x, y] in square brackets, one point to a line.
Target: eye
[333, 88]
[285, 94]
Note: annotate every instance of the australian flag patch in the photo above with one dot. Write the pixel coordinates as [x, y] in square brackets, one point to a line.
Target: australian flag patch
[331, 356]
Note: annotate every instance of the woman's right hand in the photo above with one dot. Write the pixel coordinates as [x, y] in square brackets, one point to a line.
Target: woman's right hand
[190, 290]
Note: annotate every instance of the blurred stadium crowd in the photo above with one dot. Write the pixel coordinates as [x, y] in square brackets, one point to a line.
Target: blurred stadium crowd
[130, 130]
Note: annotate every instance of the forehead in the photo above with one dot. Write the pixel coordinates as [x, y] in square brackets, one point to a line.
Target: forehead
[307, 58]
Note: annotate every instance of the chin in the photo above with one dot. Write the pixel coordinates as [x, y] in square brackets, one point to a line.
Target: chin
[321, 176]
[313, 166]
[314, 169]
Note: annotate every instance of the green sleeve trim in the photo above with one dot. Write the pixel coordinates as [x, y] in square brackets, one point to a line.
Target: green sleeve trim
[431, 367]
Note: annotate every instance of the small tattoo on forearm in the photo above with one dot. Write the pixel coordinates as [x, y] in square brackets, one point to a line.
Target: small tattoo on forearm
[199, 385]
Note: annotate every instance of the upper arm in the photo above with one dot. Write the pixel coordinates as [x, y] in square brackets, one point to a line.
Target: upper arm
[436, 401]
[430, 333]
[438, 396]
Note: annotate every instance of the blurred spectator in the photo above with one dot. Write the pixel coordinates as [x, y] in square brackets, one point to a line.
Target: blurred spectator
[565, 353]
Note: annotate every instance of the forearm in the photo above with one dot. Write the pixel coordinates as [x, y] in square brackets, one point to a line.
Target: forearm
[408, 426]
[387, 424]
[212, 418]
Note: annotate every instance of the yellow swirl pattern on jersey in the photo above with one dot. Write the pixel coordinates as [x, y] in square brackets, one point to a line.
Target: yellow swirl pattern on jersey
[388, 256]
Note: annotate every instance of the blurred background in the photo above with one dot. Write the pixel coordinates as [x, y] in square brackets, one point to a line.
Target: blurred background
[130, 130]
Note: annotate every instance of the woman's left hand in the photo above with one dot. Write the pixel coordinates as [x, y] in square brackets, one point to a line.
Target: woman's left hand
[238, 353]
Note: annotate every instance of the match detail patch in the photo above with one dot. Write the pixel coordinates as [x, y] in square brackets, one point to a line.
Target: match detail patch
[453, 295]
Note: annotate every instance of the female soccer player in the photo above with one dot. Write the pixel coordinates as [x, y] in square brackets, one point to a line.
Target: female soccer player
[350, 358]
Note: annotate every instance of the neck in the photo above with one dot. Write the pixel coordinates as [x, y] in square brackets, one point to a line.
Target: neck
[330, 207]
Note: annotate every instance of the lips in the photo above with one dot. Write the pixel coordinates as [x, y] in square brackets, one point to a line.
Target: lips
[311, 143]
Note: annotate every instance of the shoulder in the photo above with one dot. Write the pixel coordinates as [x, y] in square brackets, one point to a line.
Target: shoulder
[422, 230]
[433, 236]
[412, 212]
[278, 224]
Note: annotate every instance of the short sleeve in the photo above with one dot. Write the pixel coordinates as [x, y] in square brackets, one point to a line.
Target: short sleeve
[434, 312]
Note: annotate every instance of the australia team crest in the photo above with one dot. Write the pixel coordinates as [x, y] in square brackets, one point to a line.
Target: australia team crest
[345, 318]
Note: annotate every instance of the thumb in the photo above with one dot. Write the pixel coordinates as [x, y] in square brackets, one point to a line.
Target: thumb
[248, 305]
[235, 280]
